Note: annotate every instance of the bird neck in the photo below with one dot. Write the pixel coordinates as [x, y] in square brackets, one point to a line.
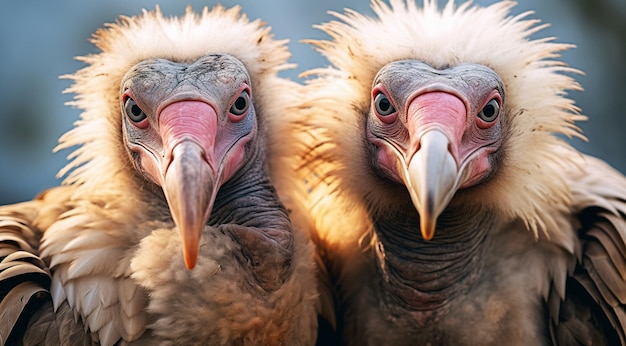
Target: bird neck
[248, 208]
[239, 198]
[422, 275]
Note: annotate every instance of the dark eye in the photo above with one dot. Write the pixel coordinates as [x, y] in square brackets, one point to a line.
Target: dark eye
[241, 104]
[383, 105]
[490, 112]
[133, 111]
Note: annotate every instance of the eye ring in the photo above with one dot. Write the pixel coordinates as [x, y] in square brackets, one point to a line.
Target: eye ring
[490, 112]
[383, 105]
[241, 104]
[133, 111]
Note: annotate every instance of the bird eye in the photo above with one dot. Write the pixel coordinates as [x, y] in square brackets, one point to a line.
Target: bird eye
[241, 104]
[383, 105]
[490, 112]
[133, 111]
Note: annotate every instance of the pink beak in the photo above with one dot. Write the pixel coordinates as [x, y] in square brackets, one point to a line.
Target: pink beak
[190, 176]
[433, 173]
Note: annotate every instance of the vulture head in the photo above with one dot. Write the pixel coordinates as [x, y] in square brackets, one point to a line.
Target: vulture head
[170, 109]
[435, 131]
[424, 110]
[186, 127]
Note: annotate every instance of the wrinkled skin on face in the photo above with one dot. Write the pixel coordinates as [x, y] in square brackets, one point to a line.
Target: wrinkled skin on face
[435, 130]
[187, 126]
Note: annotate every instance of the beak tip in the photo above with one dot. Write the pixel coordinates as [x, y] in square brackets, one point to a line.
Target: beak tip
[428, 226]
[191, 248]
[190, 260]
[428, 234]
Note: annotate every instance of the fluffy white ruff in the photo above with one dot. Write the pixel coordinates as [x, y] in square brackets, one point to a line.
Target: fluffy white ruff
[527, 186]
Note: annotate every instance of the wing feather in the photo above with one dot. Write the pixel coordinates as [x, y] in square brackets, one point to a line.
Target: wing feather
[599, 281]
[24, 278]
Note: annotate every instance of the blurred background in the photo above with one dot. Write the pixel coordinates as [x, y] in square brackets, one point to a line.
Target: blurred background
[39, 40]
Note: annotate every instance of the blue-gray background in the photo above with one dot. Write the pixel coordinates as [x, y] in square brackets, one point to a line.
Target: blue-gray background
[39, 40]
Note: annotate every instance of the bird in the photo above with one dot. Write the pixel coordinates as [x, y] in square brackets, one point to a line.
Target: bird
[167, 228]
[432, 168]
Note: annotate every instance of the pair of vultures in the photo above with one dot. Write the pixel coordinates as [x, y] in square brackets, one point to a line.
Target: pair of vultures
[417, 190]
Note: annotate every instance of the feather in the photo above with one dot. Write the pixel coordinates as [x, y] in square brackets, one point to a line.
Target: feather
[105, 249]
[530, 252]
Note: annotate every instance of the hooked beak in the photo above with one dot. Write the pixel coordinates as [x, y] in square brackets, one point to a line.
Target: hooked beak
[431, 177]
[190, 187]
[433, 173]
[190, 179]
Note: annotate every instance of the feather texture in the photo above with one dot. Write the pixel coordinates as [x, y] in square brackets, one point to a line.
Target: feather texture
[546, 228]
[98, 261]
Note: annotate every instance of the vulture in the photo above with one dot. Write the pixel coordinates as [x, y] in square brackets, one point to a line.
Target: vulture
[432, 168]
[168, 228]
